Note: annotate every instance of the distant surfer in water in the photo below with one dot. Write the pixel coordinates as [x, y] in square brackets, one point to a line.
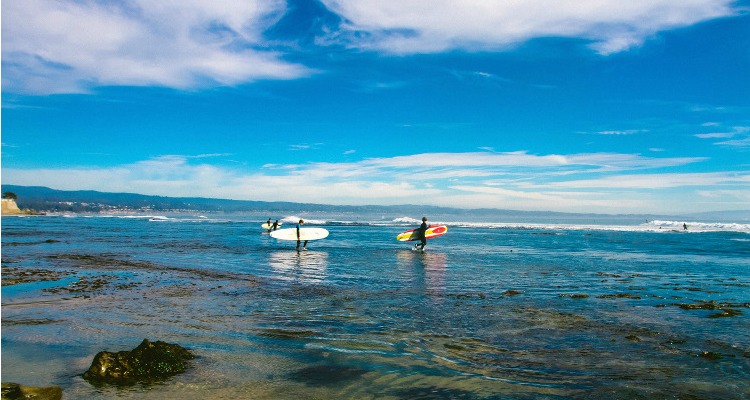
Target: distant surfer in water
[304, 246]
[684, 226]
[268, 224]
[422, 232]
[275, 225]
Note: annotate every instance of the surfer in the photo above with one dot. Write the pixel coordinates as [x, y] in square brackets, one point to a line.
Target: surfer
[422, 231]
[275, 225]
[268, 224]
[684, 226]
[304, 246]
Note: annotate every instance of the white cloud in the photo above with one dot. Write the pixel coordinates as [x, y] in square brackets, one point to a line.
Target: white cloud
[715, 135]
[52, 46]
[658, 181]
[744, 142]
[739, 195]
[581, 202]
[516, 180]
[429, 26]
[621, 132]
[72, 46]
[741, 132]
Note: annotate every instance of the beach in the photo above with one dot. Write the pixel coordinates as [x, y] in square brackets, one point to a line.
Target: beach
[488, 311]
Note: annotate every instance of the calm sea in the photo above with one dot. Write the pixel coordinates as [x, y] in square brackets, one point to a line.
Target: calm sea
[491, 310]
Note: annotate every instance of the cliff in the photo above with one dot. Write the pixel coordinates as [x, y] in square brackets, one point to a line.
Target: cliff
[11, 208]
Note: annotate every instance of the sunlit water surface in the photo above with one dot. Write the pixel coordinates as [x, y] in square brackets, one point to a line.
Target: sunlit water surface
[486, 312]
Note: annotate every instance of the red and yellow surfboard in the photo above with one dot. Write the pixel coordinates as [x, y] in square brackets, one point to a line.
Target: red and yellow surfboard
[433, 231]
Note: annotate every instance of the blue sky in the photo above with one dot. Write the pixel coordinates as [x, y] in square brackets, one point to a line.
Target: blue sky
[578, 106]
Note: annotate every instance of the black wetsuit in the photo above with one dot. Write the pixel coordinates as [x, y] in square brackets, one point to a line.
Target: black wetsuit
[422, 233]
[304, 246]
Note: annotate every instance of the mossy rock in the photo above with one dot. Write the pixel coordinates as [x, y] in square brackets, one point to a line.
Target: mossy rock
[14, 391]
[149, 362]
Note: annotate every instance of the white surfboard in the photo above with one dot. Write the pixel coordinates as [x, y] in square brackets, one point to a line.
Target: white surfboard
[304, 233]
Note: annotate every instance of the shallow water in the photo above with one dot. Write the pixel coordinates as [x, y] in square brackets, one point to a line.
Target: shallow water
[487, 312]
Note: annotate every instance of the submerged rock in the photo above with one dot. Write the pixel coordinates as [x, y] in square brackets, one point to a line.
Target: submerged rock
[150, 361]
[726, 312]
[710, 355]
[14, 391]
[321, 375]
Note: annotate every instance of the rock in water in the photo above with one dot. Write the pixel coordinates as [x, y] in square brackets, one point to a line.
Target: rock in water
[146, 363]
[14, 391]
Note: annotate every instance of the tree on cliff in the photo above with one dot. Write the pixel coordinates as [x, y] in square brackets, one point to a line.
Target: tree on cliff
[10, 195]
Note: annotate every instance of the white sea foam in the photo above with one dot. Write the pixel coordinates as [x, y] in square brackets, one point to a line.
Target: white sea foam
[407, 220]
[699, 226]
[660, 226]
[293, 219]
[651, 226]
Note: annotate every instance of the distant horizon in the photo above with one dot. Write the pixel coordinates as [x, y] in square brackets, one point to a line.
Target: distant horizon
[723, 215]
[604, 107]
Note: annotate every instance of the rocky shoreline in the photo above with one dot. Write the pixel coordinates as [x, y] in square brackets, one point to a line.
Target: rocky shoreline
[14, 391]
[147, 363]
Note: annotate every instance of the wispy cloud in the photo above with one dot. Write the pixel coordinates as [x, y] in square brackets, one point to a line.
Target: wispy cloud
[715, 135]
[744, 142]
[572, 182]
[658, 181]
[621, 132]
[740, 133]
[305, 146]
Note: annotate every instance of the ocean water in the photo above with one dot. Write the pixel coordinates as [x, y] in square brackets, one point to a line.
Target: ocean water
[491, 310]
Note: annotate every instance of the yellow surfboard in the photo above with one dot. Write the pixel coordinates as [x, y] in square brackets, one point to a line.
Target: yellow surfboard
[433, 231]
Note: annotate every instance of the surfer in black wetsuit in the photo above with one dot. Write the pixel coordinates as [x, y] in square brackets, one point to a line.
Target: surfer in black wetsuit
[422, 231]
[268, 225]
[275, 225]
[304, 246]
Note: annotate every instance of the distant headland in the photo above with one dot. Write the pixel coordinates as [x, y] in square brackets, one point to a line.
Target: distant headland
[11, 208]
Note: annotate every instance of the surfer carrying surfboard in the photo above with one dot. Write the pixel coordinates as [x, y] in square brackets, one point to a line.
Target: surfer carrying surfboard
[304, 246]
[422, 231]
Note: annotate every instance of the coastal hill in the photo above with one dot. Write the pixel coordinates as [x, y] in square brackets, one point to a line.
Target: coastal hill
[43, 199]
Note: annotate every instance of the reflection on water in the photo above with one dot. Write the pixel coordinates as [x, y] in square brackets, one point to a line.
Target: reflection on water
[299, 266]
[427, 267]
